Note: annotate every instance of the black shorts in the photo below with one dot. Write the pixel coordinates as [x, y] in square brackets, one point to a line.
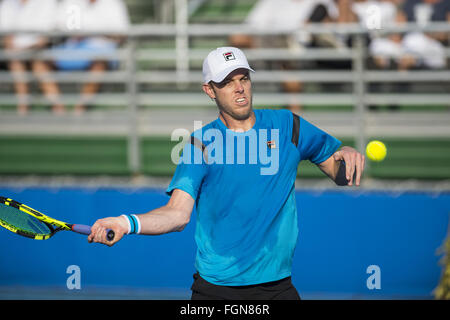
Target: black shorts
[277, 290]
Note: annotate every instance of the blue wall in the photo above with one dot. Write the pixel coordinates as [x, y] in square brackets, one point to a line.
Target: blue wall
[341, 234]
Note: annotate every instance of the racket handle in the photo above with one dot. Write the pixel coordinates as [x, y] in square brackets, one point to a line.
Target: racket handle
[84, 229]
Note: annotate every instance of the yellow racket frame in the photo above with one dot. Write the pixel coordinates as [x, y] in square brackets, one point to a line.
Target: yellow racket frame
[50, 222]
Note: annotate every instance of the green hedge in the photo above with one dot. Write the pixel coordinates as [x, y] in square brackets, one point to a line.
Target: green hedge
[407, 158]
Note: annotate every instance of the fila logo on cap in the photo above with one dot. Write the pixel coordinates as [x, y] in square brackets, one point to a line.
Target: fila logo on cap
[229, 56]
[221, 62]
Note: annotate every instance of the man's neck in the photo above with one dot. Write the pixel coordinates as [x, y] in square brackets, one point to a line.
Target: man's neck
[238, 125]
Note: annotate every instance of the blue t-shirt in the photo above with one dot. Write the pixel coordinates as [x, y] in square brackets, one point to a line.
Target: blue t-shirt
[243, 186]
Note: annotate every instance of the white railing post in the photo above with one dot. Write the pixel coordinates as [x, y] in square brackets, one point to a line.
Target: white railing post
[359, 91]
[182, 42]
[133, 141]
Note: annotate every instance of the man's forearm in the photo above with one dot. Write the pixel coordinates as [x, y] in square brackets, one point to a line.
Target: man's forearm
[163, 220]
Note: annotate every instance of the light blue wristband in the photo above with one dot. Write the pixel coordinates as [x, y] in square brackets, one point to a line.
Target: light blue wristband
[134, 225]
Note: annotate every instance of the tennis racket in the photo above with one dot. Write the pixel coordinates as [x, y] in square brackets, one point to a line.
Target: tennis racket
[30, 223]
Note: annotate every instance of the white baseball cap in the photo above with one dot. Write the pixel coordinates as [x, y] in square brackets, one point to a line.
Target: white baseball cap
[221, 62]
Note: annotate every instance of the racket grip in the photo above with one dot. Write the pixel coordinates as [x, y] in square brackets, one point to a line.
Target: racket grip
[84, 229]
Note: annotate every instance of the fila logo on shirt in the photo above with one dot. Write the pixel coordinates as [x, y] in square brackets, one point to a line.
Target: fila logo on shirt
[271, 144]
[229, 56]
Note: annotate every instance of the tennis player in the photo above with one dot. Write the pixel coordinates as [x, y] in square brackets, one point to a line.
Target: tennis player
[247, 228]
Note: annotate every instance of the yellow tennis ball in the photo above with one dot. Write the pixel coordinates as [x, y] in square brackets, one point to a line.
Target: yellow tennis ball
[376, 150]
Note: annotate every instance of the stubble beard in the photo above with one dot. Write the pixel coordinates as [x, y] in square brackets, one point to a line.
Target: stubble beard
[237, 115]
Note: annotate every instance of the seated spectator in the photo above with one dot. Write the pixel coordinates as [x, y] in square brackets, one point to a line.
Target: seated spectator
[386, 51]
[286, 16]
[94, 16]
[428, 48]
[415, 49]
[29, 15]
[375, 15]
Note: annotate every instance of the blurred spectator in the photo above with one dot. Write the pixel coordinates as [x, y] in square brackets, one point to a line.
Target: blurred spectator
[424, 11]
[385, 50]
[289, 16]
[98, 16]
[29, 15]
[415, 50]
[412, 50]
[428, 48]
[278, 15]
[286, 16]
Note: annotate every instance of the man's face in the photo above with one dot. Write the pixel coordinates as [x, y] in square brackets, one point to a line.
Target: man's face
[233, 95]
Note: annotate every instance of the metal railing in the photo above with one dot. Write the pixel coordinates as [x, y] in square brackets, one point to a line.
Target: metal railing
[139, 117]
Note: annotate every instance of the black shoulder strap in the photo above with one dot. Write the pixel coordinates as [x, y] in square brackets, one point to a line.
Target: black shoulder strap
[197, 143]
[295, 129]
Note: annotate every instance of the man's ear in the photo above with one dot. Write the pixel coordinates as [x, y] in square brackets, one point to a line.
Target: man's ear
[209, 91]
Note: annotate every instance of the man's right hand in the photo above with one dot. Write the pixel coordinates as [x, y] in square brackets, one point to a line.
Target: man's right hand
[98, 231]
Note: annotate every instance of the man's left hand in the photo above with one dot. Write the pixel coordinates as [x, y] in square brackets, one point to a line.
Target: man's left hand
[354, 163]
